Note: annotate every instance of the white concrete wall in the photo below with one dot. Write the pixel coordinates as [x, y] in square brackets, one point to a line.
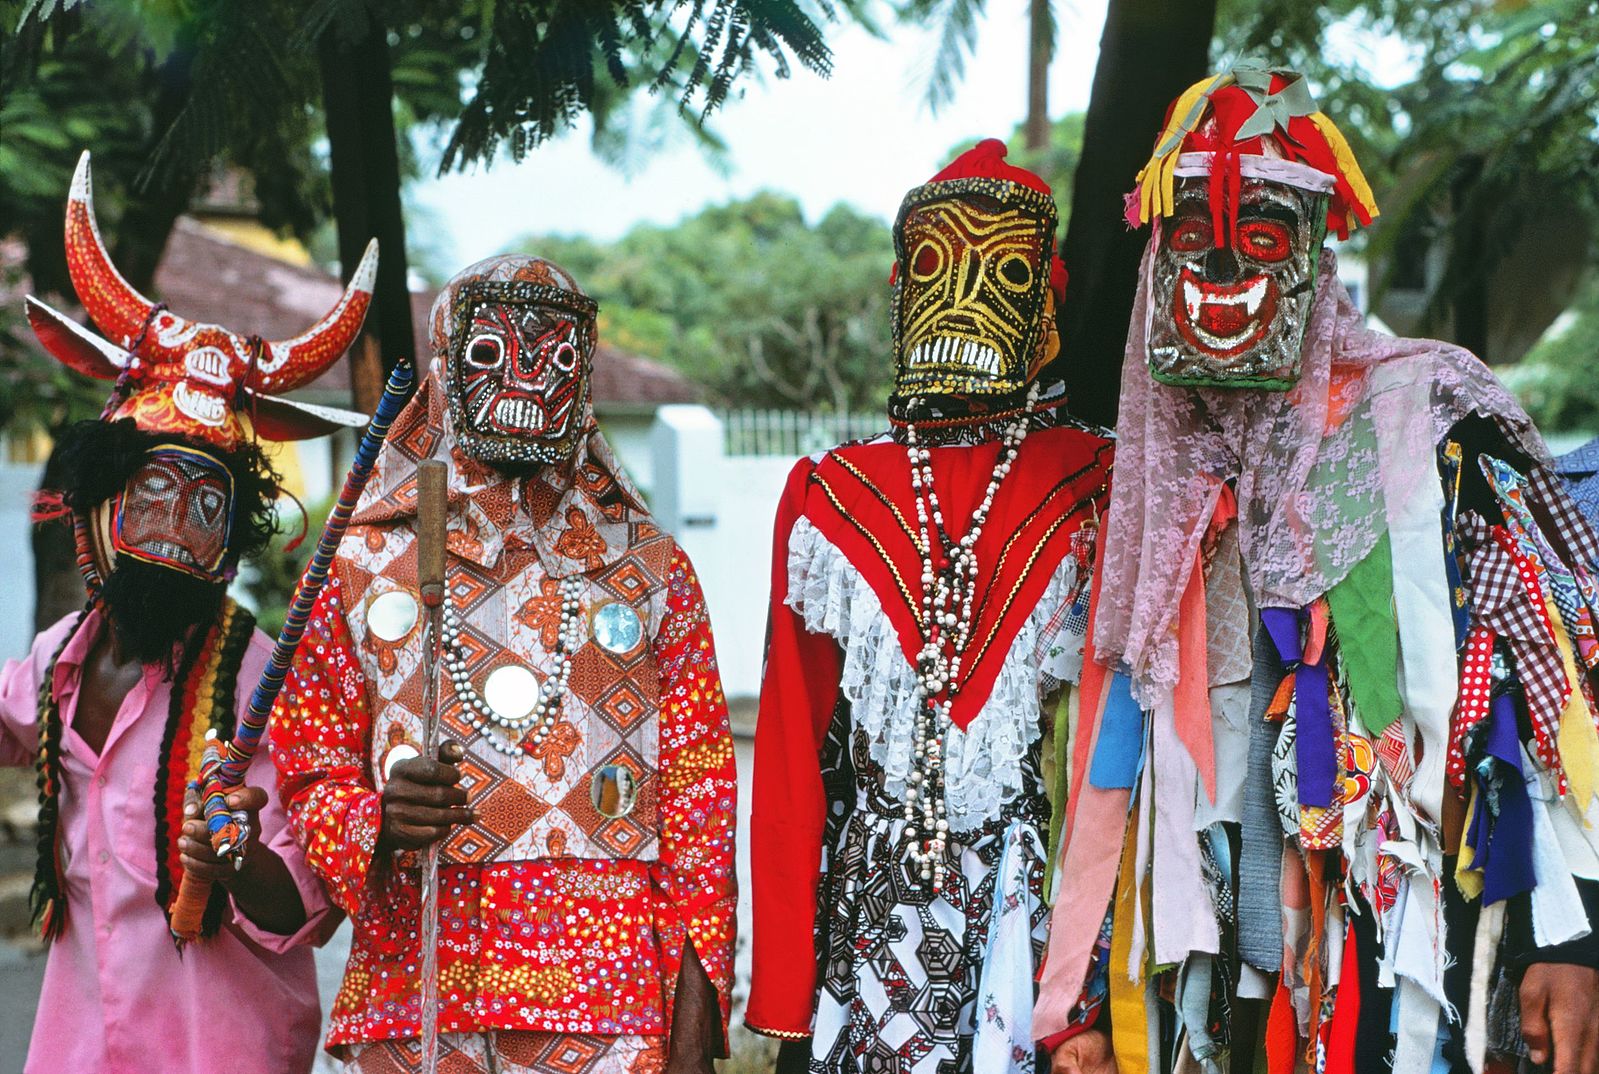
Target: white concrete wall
[17, 484]
[629, 436]
[720, 508]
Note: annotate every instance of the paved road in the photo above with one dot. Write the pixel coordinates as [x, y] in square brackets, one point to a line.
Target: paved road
[22, 965]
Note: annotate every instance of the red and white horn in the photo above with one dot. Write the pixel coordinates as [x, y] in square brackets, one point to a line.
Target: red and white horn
[287, 364]
[115, 307]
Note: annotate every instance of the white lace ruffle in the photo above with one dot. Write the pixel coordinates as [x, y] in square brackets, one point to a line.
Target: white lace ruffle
[983, 764]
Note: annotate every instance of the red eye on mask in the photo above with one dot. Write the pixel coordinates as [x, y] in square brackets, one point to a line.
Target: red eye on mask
[1190, 235]
[1265, 240]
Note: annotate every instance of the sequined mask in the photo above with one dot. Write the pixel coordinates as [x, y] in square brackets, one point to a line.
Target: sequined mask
[519, 370]
[971, 289]
[177, 511]
[1235, 315]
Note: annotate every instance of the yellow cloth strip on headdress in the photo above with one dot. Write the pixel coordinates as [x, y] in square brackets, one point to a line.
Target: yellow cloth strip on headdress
[1348, 166]
[1157, 179]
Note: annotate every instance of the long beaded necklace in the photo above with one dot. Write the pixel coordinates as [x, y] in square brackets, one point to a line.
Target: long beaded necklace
[545, 712]
[949, 587]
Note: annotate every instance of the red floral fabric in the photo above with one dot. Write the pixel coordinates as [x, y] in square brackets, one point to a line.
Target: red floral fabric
[570, 945]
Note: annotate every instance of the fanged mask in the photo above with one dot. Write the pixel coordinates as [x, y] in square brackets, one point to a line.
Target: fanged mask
[972, 287]
[176, 511]
[1235, 315]
[519, 370]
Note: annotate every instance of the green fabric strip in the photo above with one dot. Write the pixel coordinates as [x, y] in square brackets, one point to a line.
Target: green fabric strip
[1362, 609]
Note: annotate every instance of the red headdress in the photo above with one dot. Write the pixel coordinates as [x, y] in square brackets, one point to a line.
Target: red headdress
[185, 378]
[1256, 122]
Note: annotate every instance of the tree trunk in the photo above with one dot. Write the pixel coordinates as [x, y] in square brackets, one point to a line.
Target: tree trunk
[357, 95]
[1469, 302]
[157, 198]
[1040, 50]
[1151, 51]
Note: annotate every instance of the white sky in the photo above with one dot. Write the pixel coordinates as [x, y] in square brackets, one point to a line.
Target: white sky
[862, 136]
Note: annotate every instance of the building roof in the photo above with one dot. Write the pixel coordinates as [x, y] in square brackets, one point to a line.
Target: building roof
[209, 276]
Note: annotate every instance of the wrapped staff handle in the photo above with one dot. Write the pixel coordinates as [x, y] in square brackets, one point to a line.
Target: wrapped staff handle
[431, 538]
[221, 770]
[431, 492]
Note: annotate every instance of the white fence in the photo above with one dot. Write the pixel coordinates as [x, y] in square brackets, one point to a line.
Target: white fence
[792, 433]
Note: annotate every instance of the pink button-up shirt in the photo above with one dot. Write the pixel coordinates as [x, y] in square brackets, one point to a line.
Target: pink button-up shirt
[116, 996]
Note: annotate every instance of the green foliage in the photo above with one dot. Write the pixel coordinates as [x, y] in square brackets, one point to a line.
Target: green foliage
[1556, 381]
[749, 300]
[272, 575]
[37, 394]
[1496, 124]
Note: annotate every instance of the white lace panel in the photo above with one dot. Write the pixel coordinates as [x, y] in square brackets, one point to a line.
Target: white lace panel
[983, 764]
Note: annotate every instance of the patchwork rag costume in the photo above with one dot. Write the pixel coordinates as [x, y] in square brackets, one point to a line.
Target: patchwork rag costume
[166, 492]
[929, 596]
[1338, 714]
[579, 675]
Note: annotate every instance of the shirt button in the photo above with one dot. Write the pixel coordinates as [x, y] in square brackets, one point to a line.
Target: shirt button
[105, 856]
[100, 782]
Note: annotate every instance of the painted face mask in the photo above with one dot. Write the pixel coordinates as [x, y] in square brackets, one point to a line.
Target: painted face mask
[519, 370]
[1235, 315]
[972, 289]
[176, 511]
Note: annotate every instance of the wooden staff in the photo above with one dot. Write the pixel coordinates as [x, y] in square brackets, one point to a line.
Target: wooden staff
[431, 476]
[221, 772]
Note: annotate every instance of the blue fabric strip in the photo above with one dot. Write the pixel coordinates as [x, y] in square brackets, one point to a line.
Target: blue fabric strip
[1119, 753]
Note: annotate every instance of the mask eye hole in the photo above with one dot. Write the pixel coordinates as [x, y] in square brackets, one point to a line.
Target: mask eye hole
[1190, 234]
[564, 356]
[484, 352]
[927, 260]
[210, 504]
[1264, 240]
[1016, 272]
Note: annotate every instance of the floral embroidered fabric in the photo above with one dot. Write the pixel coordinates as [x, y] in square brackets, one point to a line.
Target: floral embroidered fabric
[553, 944]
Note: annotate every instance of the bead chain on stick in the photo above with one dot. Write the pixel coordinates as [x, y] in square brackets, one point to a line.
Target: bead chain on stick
[546, 711]
[949, 585]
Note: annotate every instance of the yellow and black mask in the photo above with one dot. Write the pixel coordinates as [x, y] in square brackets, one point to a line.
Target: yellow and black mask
[973, 303]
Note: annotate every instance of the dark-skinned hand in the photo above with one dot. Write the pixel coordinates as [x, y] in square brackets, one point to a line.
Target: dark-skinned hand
[262, 888]
[1087, 1053]
[1557, 1022]
[423, 800]
[194, 845]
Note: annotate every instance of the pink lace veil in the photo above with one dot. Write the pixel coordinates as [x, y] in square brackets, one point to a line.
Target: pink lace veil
[1317, 470]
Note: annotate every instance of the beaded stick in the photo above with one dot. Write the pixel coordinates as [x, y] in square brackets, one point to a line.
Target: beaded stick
[221, 773]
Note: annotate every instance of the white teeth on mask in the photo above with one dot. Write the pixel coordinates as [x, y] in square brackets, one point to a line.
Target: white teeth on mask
[948, 351]
[1252, 297]
[1249, 298]
[518, 414]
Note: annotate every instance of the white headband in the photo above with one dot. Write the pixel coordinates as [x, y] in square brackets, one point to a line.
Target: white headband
[1267, 169]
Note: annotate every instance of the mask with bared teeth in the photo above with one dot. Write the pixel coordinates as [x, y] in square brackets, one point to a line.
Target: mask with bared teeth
[976, 280]
[1247, 179]
[519, 343]
[1235, 312]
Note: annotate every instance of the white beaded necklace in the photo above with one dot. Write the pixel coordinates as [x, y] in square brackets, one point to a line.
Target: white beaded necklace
[546, 710]
[948, 594]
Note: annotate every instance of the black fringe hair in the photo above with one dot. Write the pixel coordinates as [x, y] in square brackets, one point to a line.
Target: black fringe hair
[95, 459]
